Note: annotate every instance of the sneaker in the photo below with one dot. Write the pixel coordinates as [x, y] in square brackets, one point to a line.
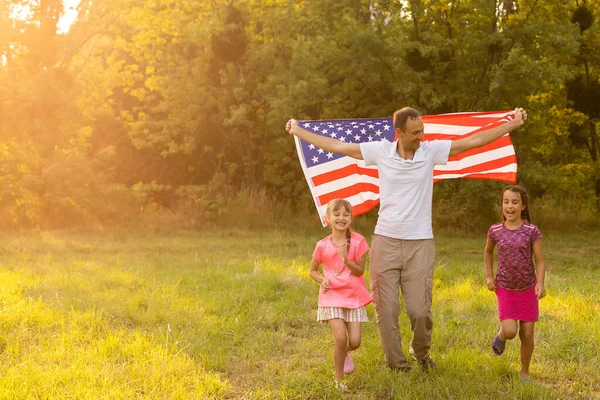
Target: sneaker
[341, 386]
[427, 363]
[348, 364]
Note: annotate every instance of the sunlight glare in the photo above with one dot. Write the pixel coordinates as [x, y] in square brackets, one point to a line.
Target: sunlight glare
[68, 16]
[20, 12]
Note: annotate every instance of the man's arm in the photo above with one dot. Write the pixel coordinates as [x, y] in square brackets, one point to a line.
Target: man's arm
[323, 142]
[482, 138]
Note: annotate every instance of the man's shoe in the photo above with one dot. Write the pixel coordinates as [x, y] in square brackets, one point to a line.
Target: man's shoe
[427, 363]
[402, 368]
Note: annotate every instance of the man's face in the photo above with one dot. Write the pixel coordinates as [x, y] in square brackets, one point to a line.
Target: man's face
[413, 134]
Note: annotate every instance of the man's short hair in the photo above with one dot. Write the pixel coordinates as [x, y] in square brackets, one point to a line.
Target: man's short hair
[403, 115]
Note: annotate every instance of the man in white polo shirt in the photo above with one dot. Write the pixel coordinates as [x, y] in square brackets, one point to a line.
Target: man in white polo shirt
[402, 251]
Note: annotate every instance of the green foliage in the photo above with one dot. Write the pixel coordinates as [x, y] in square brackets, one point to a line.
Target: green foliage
[184, 94]
[457, 208]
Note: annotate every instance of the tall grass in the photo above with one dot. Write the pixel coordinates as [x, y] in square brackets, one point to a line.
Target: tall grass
[231, 314]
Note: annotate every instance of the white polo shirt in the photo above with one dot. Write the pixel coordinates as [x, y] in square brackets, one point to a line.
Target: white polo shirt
[405, 187]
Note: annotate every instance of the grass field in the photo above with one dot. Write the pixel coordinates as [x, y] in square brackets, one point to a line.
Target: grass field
[232, 315]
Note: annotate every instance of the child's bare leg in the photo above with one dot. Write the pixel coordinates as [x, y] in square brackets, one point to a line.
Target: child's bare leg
[526, 336]
[338, 328]
[353, 335]
[508, 329]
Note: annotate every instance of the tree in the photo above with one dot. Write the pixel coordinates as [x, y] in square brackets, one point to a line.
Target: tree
[583, 91]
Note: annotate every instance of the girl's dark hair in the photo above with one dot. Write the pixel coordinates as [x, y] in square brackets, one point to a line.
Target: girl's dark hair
[524, 199]
[335, 205]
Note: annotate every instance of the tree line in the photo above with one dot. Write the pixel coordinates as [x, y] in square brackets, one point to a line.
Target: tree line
[178, 106]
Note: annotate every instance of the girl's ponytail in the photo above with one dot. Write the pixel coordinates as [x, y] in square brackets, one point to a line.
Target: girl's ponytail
[348, 236]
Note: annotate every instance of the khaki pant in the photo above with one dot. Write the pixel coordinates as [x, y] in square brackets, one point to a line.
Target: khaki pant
[405, 264]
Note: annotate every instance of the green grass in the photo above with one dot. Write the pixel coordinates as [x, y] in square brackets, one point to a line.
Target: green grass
[232, 315]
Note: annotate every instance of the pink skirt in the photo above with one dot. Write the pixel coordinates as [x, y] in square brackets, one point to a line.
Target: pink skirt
[518, 305]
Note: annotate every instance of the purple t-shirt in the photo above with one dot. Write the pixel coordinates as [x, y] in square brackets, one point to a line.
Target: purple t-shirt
[515, 248]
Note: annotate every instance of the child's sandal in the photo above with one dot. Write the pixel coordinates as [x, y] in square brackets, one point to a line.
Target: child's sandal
[498, 346]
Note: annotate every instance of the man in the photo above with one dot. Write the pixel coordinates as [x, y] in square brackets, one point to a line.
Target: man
[402, 251]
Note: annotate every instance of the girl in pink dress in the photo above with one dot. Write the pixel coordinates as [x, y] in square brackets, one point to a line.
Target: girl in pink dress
[519, 283]
[343, 295]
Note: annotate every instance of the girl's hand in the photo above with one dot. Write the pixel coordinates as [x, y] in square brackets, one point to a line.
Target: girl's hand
[343, 252]
[540, 290]
[292, 123]
[491, 283]
[325, 285]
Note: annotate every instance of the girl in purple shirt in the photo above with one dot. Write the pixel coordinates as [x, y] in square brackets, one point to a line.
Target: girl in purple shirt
[519, 283]
[343, 295]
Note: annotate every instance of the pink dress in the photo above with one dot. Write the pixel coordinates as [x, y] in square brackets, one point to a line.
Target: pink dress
[346, 290]
[515, 278]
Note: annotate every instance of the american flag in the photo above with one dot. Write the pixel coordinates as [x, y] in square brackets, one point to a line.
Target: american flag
[332, 176]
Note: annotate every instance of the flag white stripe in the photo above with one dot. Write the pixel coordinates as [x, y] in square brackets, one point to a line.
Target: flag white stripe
[494, 115]
[443, 129]
[448, 129]
[506, 169]
[477, 159]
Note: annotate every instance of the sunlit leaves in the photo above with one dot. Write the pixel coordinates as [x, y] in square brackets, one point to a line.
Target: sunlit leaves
[180, 92]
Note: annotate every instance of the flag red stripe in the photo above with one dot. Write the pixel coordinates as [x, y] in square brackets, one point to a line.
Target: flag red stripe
[485, 166]
[364, 207]
[496, 144]
[464, 119]
[441, 136]
[342, 173]
[348, 191]
[496, 176]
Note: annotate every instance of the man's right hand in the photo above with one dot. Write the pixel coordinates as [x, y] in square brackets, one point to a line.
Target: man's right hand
[292, 123]
[520, 116]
